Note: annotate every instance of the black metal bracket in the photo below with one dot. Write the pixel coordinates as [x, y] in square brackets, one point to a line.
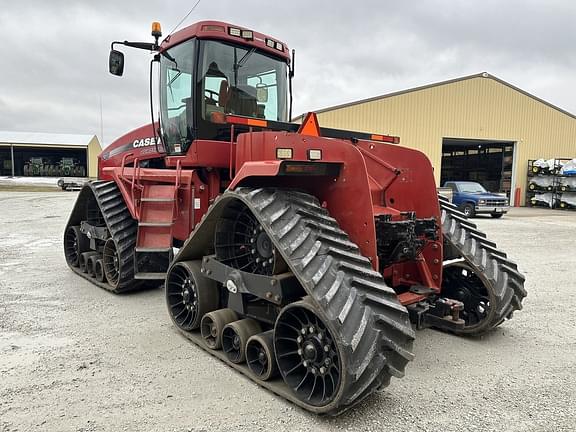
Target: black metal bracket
[94, 232]
[276, 289]
[441, 313]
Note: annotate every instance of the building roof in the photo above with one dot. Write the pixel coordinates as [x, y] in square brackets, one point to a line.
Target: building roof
[38, 138]
[441, 83]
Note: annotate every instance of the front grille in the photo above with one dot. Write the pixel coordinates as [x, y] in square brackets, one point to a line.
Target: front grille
[496, 202]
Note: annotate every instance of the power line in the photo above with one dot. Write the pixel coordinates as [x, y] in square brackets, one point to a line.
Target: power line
[183, 19]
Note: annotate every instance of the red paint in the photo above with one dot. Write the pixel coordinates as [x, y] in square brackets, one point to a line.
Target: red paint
[129, 147]
[191, 187]
[375, 179]
[207, 30]
[409, 298]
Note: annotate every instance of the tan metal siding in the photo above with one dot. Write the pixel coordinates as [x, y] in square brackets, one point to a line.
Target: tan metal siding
[94, 150]
[475, 108]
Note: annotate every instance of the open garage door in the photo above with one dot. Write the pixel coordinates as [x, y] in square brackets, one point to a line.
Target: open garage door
[486, 162]
[5, 161]
[49, 162]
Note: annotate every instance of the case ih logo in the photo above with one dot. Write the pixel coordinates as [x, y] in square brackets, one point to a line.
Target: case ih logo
[145, 142]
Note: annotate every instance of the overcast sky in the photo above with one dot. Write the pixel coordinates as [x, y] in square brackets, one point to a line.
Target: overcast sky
[54, 65]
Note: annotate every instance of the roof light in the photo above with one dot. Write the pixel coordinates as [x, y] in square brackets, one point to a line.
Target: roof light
[279, 46]
[314, 154]
[233, 31]
[213, 27]
[385, 138]
[270, 43]
[247, 34]
[156, 29]
[283, 153]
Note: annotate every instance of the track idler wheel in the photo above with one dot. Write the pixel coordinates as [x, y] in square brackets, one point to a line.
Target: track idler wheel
[462, 283]
[212, 325]
[260, 355]
[99, 271]
[75, 243]
[308, 356]
[189, 294]
[242, 243]
[235, 337]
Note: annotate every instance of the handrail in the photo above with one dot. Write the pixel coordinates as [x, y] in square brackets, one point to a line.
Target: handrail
[176, 188]
[123, 164]
[135, 171]
[231, 163]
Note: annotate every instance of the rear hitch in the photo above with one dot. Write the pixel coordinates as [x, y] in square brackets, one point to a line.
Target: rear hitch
[441, 313]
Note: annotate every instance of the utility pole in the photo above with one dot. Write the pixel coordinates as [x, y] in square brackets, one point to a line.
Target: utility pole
[101, 124]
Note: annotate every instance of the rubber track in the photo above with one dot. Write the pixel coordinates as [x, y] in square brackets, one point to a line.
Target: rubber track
[465, 241]
[369, 323]
[122, 228]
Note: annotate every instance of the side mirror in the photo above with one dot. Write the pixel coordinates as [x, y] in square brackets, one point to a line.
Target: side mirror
[116, 63]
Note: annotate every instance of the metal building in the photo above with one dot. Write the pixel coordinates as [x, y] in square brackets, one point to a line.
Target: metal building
[476, 127]
[48, 155]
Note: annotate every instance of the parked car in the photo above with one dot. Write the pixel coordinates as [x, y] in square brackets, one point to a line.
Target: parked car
[473, 199]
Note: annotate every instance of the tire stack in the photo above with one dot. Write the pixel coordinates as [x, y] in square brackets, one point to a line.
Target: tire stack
[566, 187]
[549, 187]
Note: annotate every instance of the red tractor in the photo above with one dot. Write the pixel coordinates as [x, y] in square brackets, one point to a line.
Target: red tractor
[306, 256]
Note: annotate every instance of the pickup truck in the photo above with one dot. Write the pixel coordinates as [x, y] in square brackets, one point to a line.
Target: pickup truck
[473, 199]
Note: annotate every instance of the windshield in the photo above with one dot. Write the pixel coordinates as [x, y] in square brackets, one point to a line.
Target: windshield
[471, 187]
[240, 80]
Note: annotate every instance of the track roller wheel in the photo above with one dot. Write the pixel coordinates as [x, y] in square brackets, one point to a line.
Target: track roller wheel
[260, 355]
[75, 243]
[99, 271]
[83, 261]
[235, 336]
[309, 358]
[212, 325]
[111, 262]
[461, 282]
[189, 294]
[91, 264]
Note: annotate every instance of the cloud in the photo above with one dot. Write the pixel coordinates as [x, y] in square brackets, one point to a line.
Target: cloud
[54, 71]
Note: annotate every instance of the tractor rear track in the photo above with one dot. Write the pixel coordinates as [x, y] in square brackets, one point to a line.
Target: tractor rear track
[463, 240]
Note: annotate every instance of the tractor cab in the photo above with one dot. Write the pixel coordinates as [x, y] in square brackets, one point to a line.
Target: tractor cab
[202, 81]
[210, 70]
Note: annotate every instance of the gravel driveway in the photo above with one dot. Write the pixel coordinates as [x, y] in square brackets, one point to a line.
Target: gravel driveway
[76, 358]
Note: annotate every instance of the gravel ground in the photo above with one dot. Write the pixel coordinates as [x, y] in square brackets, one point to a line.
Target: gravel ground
[76, 358]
